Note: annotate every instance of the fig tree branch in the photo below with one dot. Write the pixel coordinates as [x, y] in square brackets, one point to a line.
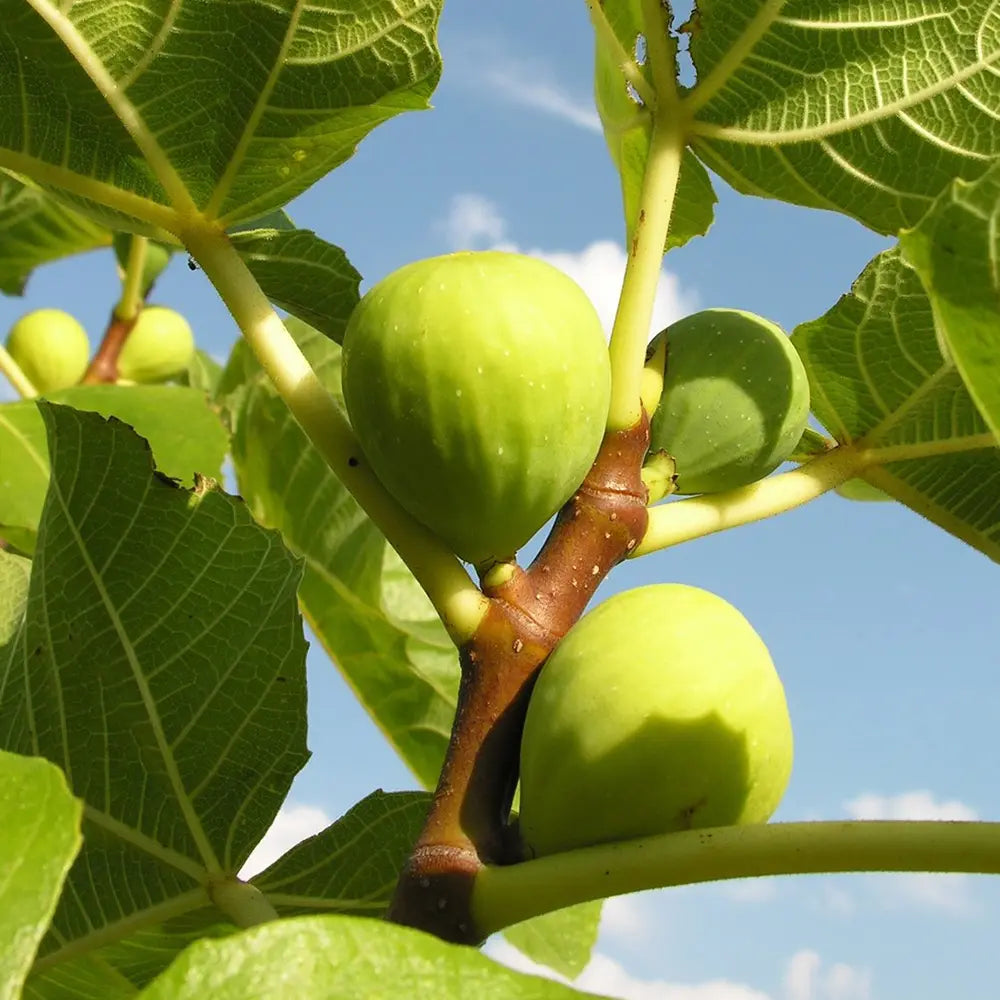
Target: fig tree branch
[505, 895]
[683, 520]
[530, 610]
[455, 597]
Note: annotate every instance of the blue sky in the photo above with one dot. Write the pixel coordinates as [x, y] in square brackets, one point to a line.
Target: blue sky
[883, 627]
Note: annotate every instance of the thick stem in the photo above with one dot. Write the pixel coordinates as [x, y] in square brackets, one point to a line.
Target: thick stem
[455, 597]
[507, 895]
[682, 520]
[103, 366]
[530, 611]
[630, 333]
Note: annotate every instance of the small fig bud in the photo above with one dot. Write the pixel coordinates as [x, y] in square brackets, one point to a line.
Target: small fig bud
[735, 400]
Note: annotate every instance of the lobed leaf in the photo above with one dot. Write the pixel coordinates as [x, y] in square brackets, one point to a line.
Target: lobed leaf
[184, 432]
[39, 838]
[870, 109]
[37, 229]
[879, 381]
[342, 958]
[145, 114]
[161, 664]
[956, 251]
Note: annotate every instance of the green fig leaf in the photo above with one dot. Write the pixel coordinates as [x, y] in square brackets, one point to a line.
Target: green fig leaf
[868, 110]
[562, 940]
[184, 432]
[39, 838]
[956, 251]
[352, 866]
[303, 274]
[343, 958]
[147, 114]
[878, 380]
[192, 606]
[37, 229]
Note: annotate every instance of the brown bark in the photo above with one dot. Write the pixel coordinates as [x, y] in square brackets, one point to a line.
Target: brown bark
[529, 613]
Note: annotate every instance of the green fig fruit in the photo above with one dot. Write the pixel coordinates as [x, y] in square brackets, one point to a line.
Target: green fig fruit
[159, 346]
[659, 711]
[478, 385]
[735, 400]
[51, 348]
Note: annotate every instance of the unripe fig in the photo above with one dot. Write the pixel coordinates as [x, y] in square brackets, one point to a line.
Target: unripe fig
[159, 346]
[659, 711]
[478, 385]
[735, 400]
[50, 347]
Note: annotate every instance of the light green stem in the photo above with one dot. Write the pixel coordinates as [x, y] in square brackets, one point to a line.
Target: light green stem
[455, 597]
[682, 520]
[630, 332]
[506, 895]
[16, 377]
[131, 299]
[242, 902]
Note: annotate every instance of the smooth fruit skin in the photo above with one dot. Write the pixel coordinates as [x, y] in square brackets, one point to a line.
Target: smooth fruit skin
[478, 385]
[159, 346]
[659, 711]
[50, 347]
[735, 400]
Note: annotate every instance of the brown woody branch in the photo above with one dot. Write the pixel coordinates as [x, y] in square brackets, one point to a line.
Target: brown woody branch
[467, 825]
[104, 364]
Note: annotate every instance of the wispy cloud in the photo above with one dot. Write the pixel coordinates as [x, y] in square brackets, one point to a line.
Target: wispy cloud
[528, 86]
[807, 979]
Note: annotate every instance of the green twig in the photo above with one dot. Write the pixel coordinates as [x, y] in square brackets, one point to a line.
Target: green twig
[506, 895]
[132, 293]
[682, 520]
[16, 377]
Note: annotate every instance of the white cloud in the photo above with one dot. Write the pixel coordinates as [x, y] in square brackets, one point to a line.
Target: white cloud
[909, 805]
[474, 222]
[624, 916]
[939, 891]
[806, 979]
[531, 86]
[609, 978]
[292, 825]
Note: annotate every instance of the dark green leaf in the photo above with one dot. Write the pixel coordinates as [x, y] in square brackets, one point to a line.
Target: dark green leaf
[162, 666]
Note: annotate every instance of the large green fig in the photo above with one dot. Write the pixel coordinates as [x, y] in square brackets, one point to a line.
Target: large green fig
[659, 711]
[159, 346]
[50, 347]
[478, 385]
[735, 400]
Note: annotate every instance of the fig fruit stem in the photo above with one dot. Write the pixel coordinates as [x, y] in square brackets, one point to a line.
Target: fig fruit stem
[12, 370]
[630, 333]
[455, 597]
[103, 367]
[505, 895]
[132, 298]
[683, 520]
